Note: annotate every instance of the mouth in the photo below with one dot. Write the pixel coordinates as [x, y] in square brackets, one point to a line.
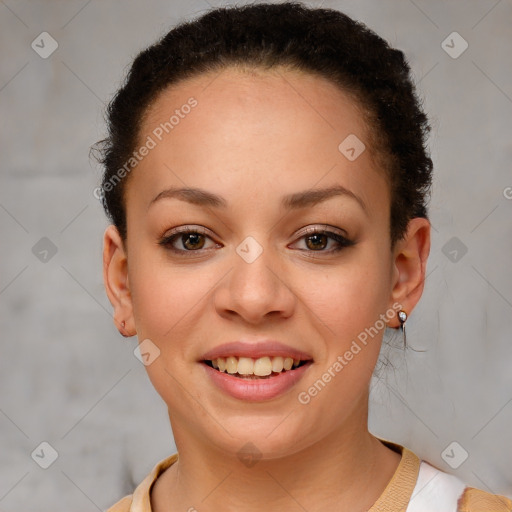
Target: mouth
[249, 368]
[255, 370]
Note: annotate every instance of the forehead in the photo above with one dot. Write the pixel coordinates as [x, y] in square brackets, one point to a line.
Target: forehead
[269, 130]
[289, 92]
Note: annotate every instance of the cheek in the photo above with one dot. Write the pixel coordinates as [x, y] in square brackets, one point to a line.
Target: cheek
[167, 300]
[346, 314]
[168, 304]
[348, 299]
[347, 304]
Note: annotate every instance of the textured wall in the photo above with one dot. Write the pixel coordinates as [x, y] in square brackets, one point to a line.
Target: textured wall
[69, 379]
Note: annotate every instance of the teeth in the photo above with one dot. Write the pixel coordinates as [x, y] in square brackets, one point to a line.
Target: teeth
[231, 364]
[277, 364]
[245, 366]
[288, 363]
[260, 367]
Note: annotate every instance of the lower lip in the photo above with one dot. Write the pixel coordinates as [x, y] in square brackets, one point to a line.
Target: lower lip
[256, 390]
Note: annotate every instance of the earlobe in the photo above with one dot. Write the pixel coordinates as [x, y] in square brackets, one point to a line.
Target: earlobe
[115, 278]
[409, 265]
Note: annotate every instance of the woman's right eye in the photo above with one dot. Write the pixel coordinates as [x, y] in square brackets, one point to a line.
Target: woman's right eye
[186, 240]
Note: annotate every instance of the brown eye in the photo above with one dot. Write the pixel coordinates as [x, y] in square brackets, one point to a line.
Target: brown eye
[192, 241]
[323, 241]
[317, 242]
[186, 241]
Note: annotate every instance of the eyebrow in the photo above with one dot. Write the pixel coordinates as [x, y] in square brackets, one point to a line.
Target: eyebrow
[293, 201]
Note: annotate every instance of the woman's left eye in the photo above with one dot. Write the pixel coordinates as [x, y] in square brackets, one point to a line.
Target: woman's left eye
[317, 240]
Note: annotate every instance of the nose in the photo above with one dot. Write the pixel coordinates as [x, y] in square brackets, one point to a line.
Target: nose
[255, 290]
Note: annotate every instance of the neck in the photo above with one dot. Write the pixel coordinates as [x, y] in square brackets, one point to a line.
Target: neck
[346, 471]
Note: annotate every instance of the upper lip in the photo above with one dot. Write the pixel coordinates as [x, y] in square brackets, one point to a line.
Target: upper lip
[256, 349]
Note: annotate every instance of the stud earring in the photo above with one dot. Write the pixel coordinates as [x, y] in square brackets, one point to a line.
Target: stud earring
[402, 317]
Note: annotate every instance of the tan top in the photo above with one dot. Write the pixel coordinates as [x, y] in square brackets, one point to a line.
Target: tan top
[396, 497]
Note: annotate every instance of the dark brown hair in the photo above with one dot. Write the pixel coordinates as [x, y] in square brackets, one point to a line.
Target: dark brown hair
[324, 42]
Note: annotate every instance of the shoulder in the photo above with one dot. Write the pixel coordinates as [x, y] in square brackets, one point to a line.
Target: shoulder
[419, 486]
[122, 505]
[434, 486]
[450, 494]
[476, 500]
[140, 500]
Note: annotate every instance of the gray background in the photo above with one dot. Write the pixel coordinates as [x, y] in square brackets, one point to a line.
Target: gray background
[66, 375]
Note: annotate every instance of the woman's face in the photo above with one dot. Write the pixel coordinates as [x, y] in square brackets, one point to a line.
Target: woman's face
[259, 147]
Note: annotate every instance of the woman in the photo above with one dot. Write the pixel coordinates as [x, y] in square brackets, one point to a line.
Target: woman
[266, 175]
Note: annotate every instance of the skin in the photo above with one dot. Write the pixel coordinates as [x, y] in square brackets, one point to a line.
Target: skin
[252, 138]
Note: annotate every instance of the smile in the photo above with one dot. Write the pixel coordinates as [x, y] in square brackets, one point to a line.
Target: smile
[250, 387]
[247, 367]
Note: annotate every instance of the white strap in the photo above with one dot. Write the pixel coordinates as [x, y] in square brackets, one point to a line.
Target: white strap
[435, 490]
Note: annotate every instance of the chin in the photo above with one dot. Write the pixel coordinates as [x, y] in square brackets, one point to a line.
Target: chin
[262, 438]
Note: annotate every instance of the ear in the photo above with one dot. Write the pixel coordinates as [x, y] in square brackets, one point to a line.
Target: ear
[409, 266]
[115, 278]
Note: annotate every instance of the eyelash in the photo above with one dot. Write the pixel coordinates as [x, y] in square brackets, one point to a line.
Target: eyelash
[168, 241]
[341, 240]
